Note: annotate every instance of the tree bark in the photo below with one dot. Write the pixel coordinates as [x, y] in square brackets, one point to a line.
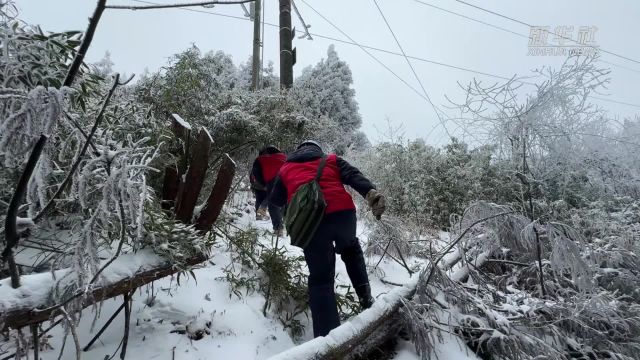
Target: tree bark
[194, 177]
[10, 223]
[218, 195]
[18, 317]
[86, 42]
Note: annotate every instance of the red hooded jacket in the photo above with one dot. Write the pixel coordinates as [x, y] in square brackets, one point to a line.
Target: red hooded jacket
[302, 166]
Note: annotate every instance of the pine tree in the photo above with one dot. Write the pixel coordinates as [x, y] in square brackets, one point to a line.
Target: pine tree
[325, 90]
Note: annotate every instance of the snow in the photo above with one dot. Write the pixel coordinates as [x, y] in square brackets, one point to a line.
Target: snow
[207, 133]
[36, 288]
[24, 222]
[167, 318]
[351, 328]
[182, 122]
[451, 348]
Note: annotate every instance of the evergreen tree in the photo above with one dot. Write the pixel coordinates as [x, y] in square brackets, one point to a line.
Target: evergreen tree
[104, 67]
[326, 90]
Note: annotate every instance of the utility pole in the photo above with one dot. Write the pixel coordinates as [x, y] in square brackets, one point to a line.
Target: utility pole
[286, 53]
[257, 43]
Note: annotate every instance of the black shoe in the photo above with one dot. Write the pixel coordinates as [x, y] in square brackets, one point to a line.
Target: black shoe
[366, 302]
[364, 296]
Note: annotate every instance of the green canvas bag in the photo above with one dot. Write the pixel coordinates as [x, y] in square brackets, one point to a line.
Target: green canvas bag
[306, 210]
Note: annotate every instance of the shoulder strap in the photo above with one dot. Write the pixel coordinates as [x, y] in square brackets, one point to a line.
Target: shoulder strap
[323, 162]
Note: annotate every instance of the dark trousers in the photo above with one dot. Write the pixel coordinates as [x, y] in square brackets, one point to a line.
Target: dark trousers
[340, 229]
[274, 212]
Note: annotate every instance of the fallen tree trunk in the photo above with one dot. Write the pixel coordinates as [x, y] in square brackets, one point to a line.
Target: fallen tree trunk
[355, 338]
[363, 335]
[20, 316]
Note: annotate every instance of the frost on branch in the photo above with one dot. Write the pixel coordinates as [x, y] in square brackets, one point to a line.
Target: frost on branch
[107, 208]
[496, 309]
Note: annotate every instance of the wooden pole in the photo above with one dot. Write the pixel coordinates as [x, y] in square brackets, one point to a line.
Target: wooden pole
[257, 44]
[286, 53]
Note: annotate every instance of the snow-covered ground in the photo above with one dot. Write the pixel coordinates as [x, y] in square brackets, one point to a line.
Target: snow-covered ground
[234, 328]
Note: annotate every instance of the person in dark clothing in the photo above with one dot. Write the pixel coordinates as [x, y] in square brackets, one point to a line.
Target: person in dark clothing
[263, 173]
[336, 232]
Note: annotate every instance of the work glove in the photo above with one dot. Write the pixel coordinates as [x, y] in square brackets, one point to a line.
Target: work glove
[377, 202]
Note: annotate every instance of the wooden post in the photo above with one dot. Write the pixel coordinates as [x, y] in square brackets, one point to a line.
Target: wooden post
[182, 130]
[218, 195]
[194, 177]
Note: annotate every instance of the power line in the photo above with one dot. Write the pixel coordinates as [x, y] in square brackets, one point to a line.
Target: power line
[425, 96]
[550, 32]
[412, 57]
[615, 101]
[507, 30]
[365, 47]
[411, 66]
[455, 66]
[472, 19]
[620, 66]
[198, 11]
[168, 6]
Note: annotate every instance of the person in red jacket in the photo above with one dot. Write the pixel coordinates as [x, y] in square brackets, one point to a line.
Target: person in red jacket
[263, 173]
[336, 232]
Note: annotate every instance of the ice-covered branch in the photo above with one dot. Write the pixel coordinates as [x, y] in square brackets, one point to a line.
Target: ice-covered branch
[460, 237]
[11, 233]
[83, 151]
[86, 42]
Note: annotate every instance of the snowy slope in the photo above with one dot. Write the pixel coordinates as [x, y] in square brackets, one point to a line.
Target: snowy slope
[235, 328]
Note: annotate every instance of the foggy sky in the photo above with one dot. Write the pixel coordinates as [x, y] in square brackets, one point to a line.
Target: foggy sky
[146, 39]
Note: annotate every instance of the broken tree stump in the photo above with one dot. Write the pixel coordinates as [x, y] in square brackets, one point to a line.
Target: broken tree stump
[170, 187]
[195, 177]
[218, 195]
[182, 131]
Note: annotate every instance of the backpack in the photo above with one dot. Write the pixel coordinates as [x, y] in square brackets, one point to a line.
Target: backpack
[306, 210]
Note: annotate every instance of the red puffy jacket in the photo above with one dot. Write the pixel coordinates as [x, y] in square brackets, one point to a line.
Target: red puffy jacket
[266, 167]
[271, 164]
[295, 174]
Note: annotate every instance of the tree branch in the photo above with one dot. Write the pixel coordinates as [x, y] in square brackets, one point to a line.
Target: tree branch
[36, 341]
[74, 332]
[168, 6]
[86, 42]
[123, 233]
[104, 327]
[19, 316]
[83, 151]
[127, 321]
[457, 240]
[10, 225]
[509, 262]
